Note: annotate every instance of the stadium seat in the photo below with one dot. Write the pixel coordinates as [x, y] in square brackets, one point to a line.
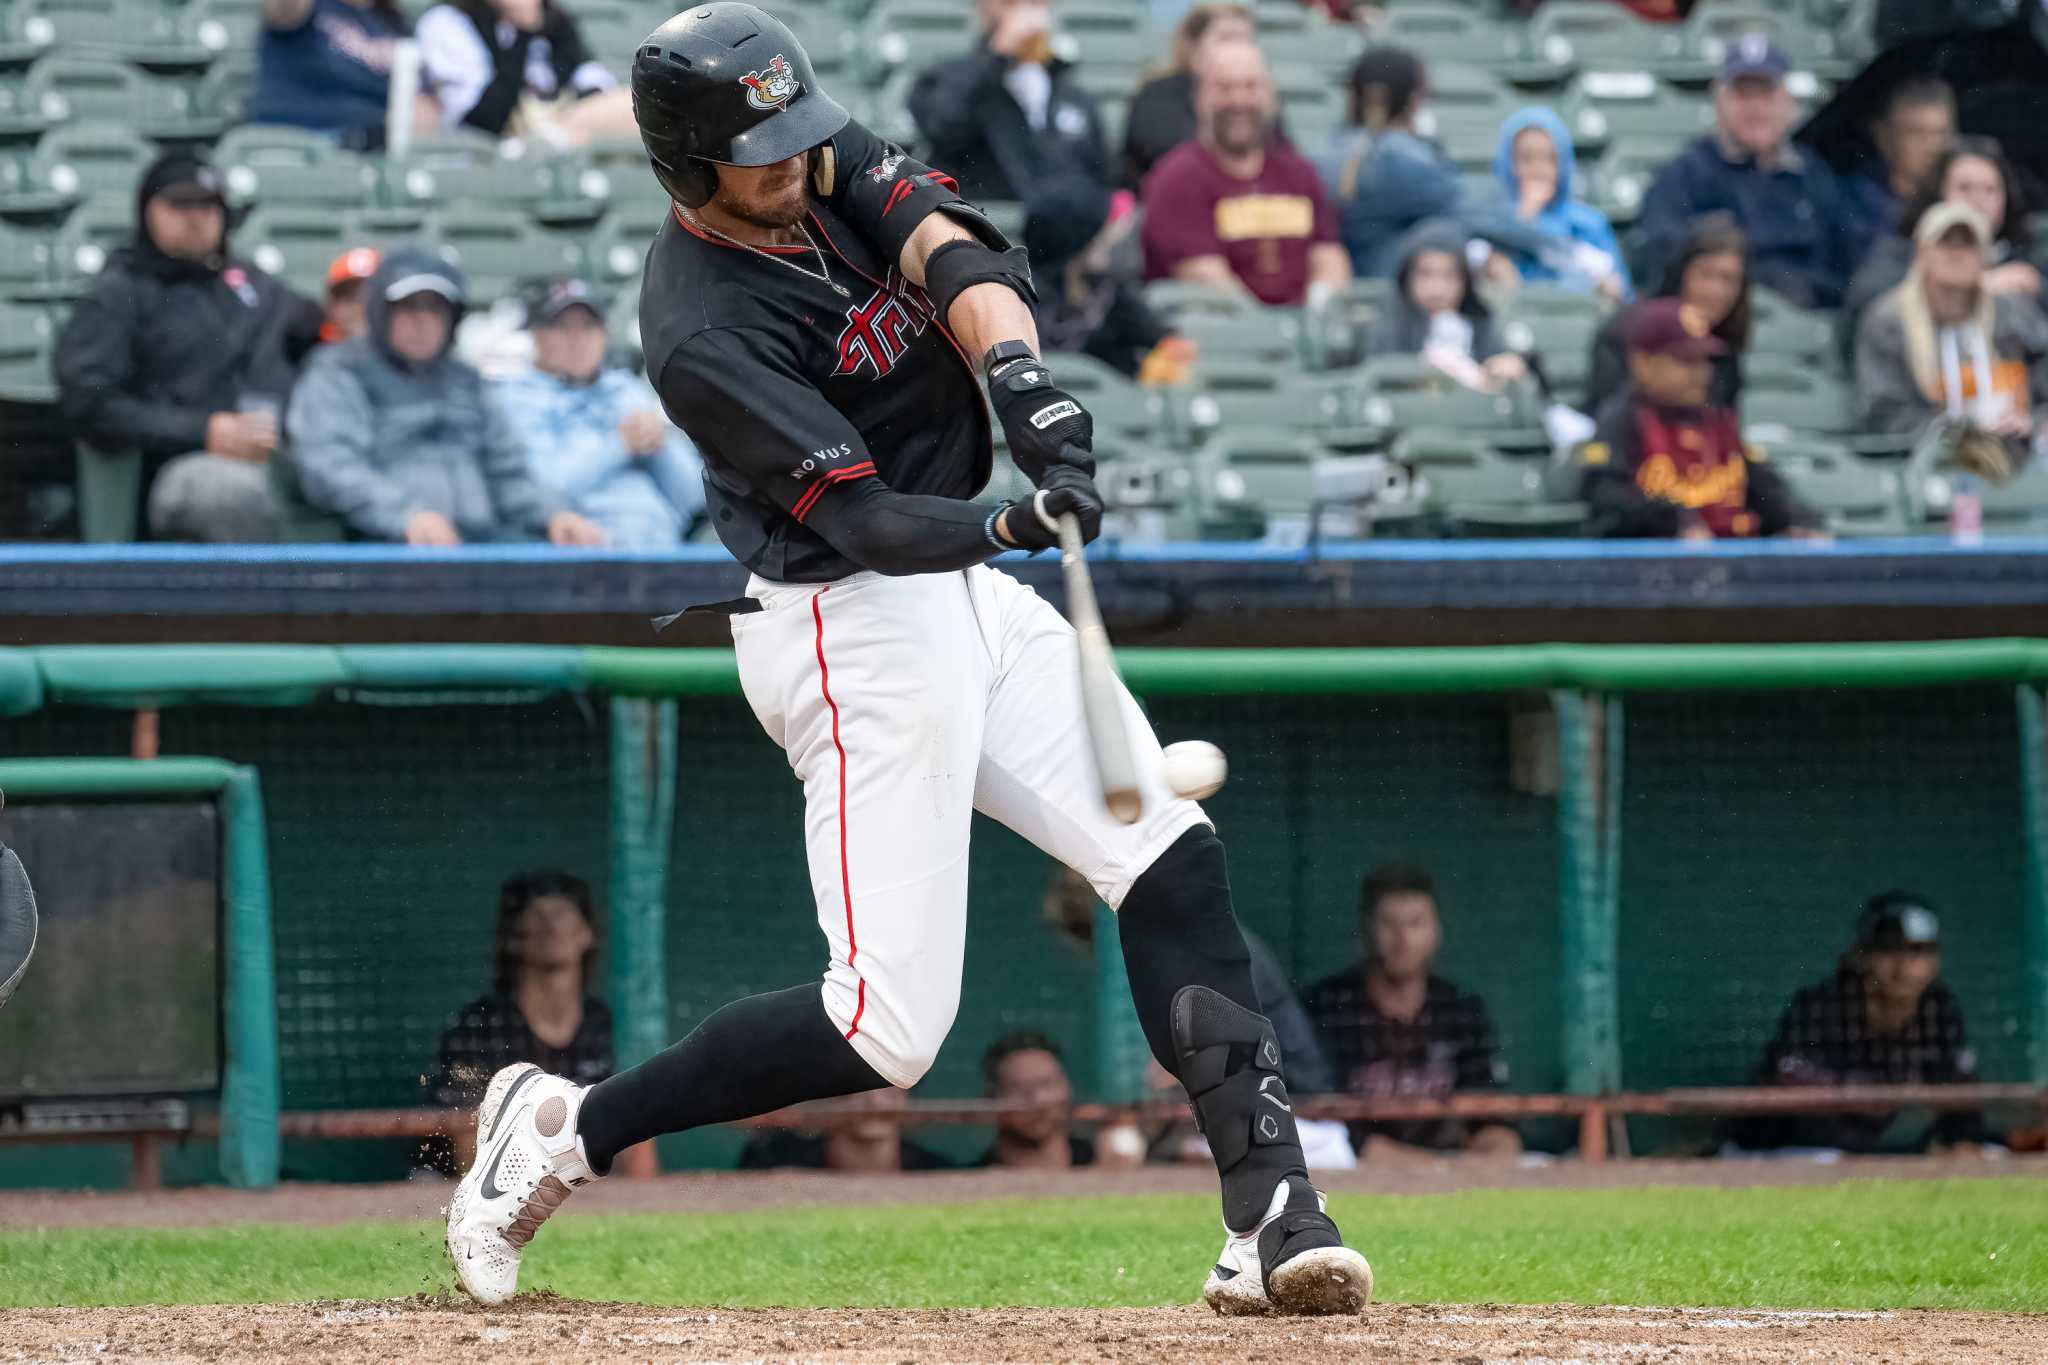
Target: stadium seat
[1590, 35]
[499, 250]
[1555, 328]
[611, 30]
[94, 229]
[1252, 396]
[1782, 330]
[1336, 330]
[27, 336]
[297, 242]
[1086, 19]
[2019, 505]
[272, 164]
[1692, 52]
[618, 248]
[463, 168]
[1465, 110]
[1175, 299]
[1625, 175]
[1249, 477]
[226, 27]
[72, 163]
[1858, 497]
[223, 92]
[109, 488]
[912, 34]
[1121, 406]
[1472, 489]
[1603, 104]
[92, 87]
[304, 524]
[145, 31]
[1798, 399]
[27, 261]
[1443, 34]
[1399, 393]
[1268, 336]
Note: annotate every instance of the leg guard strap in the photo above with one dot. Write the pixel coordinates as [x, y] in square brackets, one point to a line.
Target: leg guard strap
[1230, 1065]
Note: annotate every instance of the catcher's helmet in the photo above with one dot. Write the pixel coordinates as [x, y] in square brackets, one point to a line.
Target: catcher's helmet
[725, 82]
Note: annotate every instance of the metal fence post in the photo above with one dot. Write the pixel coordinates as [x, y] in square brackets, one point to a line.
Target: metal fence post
[1589, 862]
[2033, 739]
[643, 797]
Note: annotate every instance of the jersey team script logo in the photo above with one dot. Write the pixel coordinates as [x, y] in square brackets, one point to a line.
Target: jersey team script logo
[774, 88]
[880, 331]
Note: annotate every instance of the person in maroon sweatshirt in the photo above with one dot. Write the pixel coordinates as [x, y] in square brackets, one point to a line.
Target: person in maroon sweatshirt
[1664, 461]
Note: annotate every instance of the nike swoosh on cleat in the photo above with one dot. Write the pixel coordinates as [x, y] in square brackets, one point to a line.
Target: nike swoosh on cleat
[490, 1188]
[1224, 1272]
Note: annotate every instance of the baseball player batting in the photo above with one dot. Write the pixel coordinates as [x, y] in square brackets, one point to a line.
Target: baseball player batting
[819, 314]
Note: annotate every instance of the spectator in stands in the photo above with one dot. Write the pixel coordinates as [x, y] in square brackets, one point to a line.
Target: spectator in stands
[1973, 171]
[1943, 345]
[1010, 114]
[1025, 1067]
[182, 351]
[867, 1141]
[1665, 460]
[1436, 312]
[595, 435]
[1537, 167]
[326, 65]
[1885, 1018]
[347, 315]
[519, 68]
[1238, 208]
[1709, 276]
[1162, 115]
[1074, 229]
[1383, 177]
[1394, 1029]
[1786, 199]
[539, 1009]
[399, 438]
[1918, 122]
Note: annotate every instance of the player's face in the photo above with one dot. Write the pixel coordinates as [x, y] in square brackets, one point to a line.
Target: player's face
[571, 346]
[420, 327]
[1898, 976]
[1711, 284]
[773, 196]
[553, 933]
[1033, 1076]
[1405, 934]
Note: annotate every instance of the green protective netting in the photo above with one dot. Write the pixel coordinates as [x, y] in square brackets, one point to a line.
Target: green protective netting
[1755, 825]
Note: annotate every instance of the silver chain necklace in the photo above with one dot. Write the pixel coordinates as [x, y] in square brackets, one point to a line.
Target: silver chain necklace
[823, 274]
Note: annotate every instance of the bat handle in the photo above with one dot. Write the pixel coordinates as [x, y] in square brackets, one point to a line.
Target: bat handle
[1071, 547]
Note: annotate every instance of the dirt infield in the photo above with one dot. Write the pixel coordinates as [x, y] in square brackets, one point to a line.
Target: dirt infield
[750, 1191]
[540, 1327]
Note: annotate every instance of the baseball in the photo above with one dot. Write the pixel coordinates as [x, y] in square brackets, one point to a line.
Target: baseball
[1195, 768]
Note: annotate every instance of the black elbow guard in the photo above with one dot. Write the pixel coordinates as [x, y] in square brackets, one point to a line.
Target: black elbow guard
[990, 259]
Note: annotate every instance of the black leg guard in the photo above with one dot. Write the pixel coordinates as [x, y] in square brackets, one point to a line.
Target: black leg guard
[1229, 1061]
[1177, 930]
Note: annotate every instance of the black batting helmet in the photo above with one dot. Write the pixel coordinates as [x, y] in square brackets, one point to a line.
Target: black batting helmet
[725, 82]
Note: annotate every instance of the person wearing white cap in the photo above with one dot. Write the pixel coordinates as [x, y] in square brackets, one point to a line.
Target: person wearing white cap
[403, 441]
[1943, 345]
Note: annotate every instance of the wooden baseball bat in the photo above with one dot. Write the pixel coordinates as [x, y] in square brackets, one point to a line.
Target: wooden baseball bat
[1101, 705]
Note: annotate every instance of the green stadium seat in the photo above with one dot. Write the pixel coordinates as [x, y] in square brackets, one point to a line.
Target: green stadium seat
[109, 488]
[1258, 396]
[72, 163]
[1311, 105]
[1329, 50]
[1088, 19]
[1247, 474]
[1798, 399]
[1556, 328]
[611, 31]
[1336, 329]
[902, 35]
[27, 337]
[92, 231]
[618, 248]
[462, 168]
[1859, 497]
[888, 113]
[145, 31]
[1470, 488]
[1399, 393]
[223, 92]
[1453, 35]
[27, 261]
[1625, 175]
[2017, 506]
[304, 524]
[1464, 112]
[273, 164]
[1268, 336]
[92, 87]
[1601, 105]
[1693, 52]
[1175, 299]
[499, 250]
[295, 243]
[225, 27]
[1779, 329]
[1591, 35]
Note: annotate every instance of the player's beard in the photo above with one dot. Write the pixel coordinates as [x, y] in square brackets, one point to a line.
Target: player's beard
[778, 214]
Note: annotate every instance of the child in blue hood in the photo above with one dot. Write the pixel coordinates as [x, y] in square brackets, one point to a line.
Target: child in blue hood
[1536, 165]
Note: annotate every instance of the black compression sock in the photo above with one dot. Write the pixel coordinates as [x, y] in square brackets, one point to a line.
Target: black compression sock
[1177, 930]
[750, 1057]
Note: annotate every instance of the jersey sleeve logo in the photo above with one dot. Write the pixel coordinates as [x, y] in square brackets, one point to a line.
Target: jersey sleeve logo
[886, 172]
[773, 88]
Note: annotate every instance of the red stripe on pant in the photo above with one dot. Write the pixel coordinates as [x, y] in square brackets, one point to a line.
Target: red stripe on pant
[860, 1002]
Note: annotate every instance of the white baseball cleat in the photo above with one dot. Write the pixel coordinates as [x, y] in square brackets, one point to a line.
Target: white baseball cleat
[1257, 1273]
[527, 1162]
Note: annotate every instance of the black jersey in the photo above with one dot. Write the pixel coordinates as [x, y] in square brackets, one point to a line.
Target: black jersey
[790, 389]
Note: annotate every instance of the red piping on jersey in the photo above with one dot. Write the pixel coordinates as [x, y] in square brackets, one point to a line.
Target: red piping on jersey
[860, 1001]
[944, 330]
[904, 189]
[677, 212]
[864, 470]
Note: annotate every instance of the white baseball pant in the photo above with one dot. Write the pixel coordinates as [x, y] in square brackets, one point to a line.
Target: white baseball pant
[906, 704]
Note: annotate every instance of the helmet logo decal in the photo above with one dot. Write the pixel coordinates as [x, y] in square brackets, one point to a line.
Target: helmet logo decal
[773, 88]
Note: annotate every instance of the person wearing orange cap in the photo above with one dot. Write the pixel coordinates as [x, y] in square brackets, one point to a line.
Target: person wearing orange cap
[347, 315]
[1666, 460]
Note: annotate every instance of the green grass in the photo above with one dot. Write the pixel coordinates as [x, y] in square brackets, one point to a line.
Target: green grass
[1947, 1244]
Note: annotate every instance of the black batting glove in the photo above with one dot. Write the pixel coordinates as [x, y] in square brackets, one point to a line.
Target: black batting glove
[1045, 426]
[1034, 525]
